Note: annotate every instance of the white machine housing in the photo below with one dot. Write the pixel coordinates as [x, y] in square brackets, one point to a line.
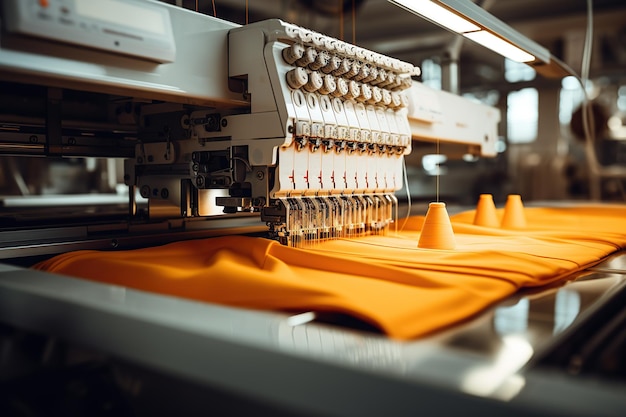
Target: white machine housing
[308, 130]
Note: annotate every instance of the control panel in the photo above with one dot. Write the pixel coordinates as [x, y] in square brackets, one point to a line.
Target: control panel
[131, 27]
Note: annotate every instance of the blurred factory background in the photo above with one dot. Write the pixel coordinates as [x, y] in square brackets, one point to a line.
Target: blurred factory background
[543, 156]
[105, 150]
[542, 147]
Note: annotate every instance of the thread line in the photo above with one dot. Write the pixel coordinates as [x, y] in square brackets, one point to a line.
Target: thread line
[438, 170]
[354, 22]
[340, 19]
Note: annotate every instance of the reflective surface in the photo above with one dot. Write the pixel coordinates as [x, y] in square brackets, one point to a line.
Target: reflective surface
[615, 263]
[238, 349]
[480, 357]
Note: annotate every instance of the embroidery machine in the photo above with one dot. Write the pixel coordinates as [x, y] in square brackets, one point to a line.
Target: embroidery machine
[268, 128]
[272, 118]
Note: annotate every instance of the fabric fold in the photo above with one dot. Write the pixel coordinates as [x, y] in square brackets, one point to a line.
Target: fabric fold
[386, 281]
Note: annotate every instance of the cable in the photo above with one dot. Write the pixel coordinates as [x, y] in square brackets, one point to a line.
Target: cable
[587, 49]
[408, 194]
[587, 112]
[588, 125]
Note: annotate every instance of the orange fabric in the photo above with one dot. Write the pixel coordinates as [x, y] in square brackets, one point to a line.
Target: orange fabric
[386, 281]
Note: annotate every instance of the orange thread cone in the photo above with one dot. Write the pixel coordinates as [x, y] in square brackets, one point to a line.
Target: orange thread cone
[437, 230]
[514, 217]
[486, 212]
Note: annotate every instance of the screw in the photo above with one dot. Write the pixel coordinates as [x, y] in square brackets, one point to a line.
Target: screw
[114, 243]
[199, 181]
[145, 191]
[165, 193]
[71, 141]
[33, 139]
[224, 122]
[260, 175]
[150, 158]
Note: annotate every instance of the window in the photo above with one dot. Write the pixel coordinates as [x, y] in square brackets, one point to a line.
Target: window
[570, 98]
[518, 71]
[431, 74]
[431, 163]
[522, 115]
[621, 98]
[490, 98]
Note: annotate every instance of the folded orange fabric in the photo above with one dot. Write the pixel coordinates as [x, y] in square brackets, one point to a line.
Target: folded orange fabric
[386, 281]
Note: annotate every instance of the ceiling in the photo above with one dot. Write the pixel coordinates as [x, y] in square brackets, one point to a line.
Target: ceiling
[381, 26]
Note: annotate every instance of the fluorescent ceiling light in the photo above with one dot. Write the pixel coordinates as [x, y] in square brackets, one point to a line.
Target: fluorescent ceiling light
[472, 21]
[499, 45]
[438, 15]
